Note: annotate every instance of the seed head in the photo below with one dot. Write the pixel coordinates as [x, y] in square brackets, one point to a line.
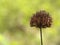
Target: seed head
[41, 19]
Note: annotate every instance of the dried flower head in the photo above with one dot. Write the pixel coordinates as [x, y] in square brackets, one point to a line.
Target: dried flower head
[41, 19]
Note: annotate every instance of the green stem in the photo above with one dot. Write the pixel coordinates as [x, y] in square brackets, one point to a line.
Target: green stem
[41, 36]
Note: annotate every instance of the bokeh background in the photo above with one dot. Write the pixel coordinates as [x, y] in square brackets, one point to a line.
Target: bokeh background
[15, 22]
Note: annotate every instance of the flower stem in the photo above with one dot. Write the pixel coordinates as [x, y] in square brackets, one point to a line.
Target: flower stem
[41, 36]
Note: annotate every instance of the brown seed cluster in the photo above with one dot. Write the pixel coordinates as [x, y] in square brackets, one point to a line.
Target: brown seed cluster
[41, 19]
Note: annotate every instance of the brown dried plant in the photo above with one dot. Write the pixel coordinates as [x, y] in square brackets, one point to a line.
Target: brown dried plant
[41, 20]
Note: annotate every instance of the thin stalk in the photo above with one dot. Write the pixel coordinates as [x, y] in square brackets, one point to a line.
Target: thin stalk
[41, 36]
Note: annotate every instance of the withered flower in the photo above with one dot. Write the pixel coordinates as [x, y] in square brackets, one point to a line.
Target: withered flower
[41, 20]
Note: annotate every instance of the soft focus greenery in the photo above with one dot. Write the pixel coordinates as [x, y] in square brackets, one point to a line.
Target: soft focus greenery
[15, 22]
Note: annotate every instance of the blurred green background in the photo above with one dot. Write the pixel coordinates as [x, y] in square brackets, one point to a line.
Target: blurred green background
[15, 22]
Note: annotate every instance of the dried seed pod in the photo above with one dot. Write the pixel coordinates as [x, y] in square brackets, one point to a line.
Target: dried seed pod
[41, 19]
